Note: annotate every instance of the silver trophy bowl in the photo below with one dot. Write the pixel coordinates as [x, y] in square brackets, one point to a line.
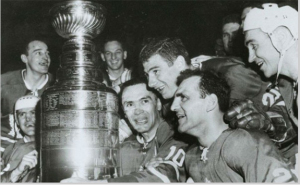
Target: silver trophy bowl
[79, 119]
[78, 19]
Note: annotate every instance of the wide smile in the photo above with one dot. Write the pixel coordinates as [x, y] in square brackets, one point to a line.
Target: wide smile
[180, 117]
[44, 63]
[160, 89]
[259, 63]
[141, 121]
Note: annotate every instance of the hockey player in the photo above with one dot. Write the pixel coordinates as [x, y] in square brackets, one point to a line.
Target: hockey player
[271, 36]
[163, 59]
[223, 154]
[154, 139]
[20, 158]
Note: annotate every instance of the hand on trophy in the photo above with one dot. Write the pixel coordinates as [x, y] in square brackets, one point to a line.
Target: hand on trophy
[124, 130]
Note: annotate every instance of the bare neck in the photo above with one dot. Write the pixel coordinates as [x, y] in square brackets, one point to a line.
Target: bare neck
[116, 73]
[34, 79]
[30, 138]
[152, 132]
[291, 62]
[212, 130]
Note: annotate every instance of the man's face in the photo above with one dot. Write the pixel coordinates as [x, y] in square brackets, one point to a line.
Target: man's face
[161, 76]
[114, 55]
[141, 107]
[26, 120]
[38, 59]
[261, 51]
[190, 108]
[229, 32]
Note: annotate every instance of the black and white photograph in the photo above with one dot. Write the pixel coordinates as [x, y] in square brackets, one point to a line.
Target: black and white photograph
[152, 91]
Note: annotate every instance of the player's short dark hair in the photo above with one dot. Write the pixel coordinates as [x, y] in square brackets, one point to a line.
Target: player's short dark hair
[210, 83]
[232, 18]
[168, 48]
[26, 43]
[136, 81]
[110, 38]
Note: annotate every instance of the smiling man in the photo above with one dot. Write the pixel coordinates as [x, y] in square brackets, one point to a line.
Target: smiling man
[222, 154]
[114, 54]
[155, 139]
[22, 153]
[15, 84]
[271, 35]
[163, 59]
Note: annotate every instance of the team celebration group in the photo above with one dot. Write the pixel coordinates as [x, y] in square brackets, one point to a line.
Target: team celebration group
[222, 118]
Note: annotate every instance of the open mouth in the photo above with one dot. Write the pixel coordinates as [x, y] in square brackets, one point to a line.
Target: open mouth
[160, 89]
[141, 121]
[259, 63]
[30, 125]
[45, 64]
[180, 116]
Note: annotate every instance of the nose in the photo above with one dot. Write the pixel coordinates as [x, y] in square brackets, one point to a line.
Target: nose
[175, 105]
[138, 110]
[251, 56]
[152, 81]
[46, 56]
[113, 56]
[29, 116]
[229, 38]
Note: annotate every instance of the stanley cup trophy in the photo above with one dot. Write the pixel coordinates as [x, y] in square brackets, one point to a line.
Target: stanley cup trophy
[79, 130]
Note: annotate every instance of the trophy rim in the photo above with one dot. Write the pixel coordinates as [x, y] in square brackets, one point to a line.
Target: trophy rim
[57, 6]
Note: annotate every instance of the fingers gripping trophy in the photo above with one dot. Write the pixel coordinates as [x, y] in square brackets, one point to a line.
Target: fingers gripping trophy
[79, 130]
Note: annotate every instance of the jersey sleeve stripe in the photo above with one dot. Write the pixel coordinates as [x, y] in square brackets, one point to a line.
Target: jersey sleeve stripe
[164, 178]
[174, 166]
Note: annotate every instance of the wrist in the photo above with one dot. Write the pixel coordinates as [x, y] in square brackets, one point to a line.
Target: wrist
[15, 175]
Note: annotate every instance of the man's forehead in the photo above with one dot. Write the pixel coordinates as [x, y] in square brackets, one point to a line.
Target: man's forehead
[253, 36]
[37, 44]
[154, 61]
[189, 84]
[136, 92]
[113, 45]
[230, 27]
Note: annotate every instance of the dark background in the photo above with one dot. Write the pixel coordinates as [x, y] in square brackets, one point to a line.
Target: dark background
[197, 23]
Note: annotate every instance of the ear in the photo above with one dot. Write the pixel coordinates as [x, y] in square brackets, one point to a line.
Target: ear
[180, 63]
[281, 38]
[124, 55]
[24, 58]
[158, 104]
[102, 56]
[212, 102]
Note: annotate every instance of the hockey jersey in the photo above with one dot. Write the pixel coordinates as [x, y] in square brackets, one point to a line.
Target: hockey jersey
[135, 153]
[239, 156]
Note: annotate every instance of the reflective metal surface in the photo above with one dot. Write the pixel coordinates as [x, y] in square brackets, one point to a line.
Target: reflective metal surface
[79, 130]
[78, 18]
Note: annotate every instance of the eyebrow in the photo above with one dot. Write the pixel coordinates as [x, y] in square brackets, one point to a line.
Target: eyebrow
[36, 50]
[251, 40]
[154, 67]
[145, 97]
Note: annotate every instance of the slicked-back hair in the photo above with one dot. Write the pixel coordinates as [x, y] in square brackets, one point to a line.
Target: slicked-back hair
[111, 38]
[209, 83]
[26, 45]
[232, 18]
[136, 81]
[168, 48]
